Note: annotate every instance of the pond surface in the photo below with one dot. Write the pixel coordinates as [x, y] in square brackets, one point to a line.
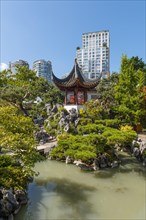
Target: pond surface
[64, 192]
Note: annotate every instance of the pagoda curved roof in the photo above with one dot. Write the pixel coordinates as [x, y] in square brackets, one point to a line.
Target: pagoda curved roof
[75, 79]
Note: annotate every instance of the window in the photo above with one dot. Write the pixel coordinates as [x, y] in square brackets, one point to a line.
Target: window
[80, 97]
[70, 98]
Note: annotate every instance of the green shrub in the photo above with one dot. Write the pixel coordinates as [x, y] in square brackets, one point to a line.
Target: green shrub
[115, 136]
[57, 152]
[108, 131]
[62, 136]
[90, 128]
[98, 139]
[85, 155]
[85, 121]
[62, 109]
[12, 174]
[77, 146]
[70, 153]
[129, 136]
[114, 123]
[72, 129]
[51, 131]
[54, 124]
[13, 177]
[6, 160]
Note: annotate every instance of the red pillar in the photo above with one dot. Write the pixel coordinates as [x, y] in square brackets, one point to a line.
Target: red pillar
[76, 96]
[85, 96]
[65, 101]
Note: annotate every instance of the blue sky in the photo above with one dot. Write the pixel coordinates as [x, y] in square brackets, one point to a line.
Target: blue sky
[52, 30]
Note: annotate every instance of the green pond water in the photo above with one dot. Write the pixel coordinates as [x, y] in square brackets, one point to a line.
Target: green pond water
[64, 192]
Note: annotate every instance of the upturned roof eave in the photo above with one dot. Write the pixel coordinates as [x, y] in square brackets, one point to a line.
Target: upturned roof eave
[75, 79]
[75, 84]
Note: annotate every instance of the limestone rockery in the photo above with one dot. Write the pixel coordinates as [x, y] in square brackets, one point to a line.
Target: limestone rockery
[11, 202]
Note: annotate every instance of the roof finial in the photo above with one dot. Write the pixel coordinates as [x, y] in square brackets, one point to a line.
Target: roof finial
[76, 68]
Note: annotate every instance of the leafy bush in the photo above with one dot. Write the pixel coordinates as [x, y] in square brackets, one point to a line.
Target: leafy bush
[93, 110]
[126, 128]
[12, 173]
[72, 129]
[85, 155]
[51, 131]
[78, 146]
[90, 145]
[82, 113]
[85, 121]
[114, 123]
[6, 160]
[57, 152]
[87, 129]
[129, 136]
[54, 124]
[63, 136]
[13, 177]
[62, 109]
[90, 128]
[115, 136]
[70, 153]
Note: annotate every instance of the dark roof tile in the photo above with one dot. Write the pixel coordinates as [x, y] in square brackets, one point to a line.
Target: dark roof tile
[75, 79]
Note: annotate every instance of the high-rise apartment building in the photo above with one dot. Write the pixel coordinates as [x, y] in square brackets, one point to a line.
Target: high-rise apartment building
[43, 68]
[13, 65]
[94, 56]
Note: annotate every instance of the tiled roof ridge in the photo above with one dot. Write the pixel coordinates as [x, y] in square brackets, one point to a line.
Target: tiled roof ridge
[76, 77]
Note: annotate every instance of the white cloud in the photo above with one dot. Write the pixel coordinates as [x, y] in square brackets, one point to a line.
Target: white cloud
[3, 66]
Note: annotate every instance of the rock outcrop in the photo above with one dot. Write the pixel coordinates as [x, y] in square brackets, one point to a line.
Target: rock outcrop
[139, 150]
[10, 202]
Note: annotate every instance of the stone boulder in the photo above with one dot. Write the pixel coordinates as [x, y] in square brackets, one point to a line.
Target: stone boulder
[21, 197]
[10, 202]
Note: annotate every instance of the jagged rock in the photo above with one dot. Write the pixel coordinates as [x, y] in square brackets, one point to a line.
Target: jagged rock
[136, 152]
[61, 122]
[10, 217]
[144, 162]
[114, 164]
[68, 160]
[96, 165]
[103, 165]
[142, 147]
[77, 162]
[85, 167]
[21, 197]
[102, 160]
[66, 128]
[10, 202]
[54, 109]
[76, 122]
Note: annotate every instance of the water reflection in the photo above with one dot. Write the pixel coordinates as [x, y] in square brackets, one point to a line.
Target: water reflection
[73, 196]
[128, 164]
[64, 192]
[109, 173]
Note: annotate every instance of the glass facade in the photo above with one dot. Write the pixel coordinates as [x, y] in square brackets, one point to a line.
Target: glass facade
[94, 55]
[13, 65]
[43, 68]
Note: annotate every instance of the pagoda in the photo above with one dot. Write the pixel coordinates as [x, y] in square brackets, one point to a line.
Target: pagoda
[78, 89]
